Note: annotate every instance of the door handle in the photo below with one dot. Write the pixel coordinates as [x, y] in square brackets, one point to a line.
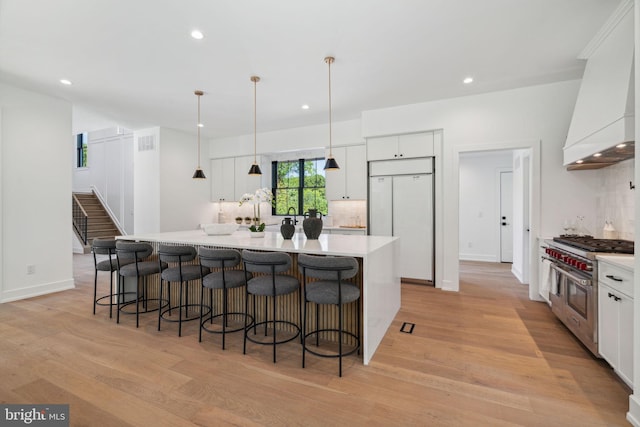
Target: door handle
[505, 223]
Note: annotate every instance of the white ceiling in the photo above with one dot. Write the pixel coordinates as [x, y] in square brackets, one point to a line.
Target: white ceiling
[134, 61]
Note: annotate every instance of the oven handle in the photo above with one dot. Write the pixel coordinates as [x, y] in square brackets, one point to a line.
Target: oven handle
[579, 280]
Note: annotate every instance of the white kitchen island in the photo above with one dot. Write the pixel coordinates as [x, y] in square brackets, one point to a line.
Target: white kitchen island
[377, 255]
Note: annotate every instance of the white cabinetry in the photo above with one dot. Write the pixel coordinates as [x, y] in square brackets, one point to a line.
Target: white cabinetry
[350, 181]
[222, 180]
[615, 318]
[230, 178]
[400, 146]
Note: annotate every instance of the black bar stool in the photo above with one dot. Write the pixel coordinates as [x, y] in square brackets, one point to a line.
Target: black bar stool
[104, 247]
[271, 284]
[330, 288]
[133, 261]
[223, 279]
[182, 273]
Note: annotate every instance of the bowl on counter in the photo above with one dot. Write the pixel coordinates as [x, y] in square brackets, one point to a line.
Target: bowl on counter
[219, 229]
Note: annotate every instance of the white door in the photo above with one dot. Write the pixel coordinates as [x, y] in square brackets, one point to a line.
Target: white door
[506, 217]
[380, 204]
[413, 223]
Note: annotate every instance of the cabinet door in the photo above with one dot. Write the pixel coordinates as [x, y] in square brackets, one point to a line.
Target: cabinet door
[356, 173]
[335, 179]
[382, 148]
[415, 145]
[608, 310]
[245, 183]
[625, 365]
[222, 180]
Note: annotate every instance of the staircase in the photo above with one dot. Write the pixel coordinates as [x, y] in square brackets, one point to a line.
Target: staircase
[98, 221]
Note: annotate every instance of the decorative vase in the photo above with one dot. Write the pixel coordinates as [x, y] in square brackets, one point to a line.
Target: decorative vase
[287, 229]
[312, 224]
[256, 233]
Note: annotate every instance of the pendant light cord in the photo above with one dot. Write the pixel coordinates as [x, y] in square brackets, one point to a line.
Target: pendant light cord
[329, 61]
[255, 146]
[198, 126]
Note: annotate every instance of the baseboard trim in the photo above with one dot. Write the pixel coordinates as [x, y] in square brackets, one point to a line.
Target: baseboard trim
[633, 416]
[477, 257]
[34, 291]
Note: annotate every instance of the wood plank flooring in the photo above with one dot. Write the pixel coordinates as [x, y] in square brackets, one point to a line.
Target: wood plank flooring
[486, 356]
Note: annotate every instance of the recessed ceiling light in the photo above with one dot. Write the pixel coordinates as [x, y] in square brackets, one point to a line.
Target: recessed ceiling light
[621, 145]
[597, 155]
[579, 161]
[65, 82]
[200, 125]
[197, 34]
[467, 80]
[305, 107]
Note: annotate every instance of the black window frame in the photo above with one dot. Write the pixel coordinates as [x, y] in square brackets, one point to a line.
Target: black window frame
[300, 188]
[81, 150]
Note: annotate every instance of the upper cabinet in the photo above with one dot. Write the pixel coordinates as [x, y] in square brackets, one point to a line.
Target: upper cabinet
[350, 181]
[400, 146]
[222, 180]
[230, 178]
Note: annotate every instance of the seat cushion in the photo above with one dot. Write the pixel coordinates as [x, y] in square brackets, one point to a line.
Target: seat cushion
[326, 292]
[263, 285]
[145, 268]
[105, 265]
[189, 272]
[234, 279]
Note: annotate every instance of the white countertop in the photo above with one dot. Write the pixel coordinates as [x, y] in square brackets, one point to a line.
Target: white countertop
[621, 260]
[327, 244]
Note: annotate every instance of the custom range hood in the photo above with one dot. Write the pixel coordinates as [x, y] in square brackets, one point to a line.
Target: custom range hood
[602, 127]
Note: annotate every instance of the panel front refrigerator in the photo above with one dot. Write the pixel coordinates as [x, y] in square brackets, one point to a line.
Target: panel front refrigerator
[401, 205]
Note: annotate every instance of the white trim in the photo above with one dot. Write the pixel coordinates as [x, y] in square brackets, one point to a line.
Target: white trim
[34, 291]
[613, 21]
[478, 257]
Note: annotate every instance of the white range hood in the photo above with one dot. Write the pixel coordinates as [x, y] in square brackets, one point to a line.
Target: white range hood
[604, 113]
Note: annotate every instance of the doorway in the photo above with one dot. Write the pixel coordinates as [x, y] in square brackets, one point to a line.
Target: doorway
[505, 187]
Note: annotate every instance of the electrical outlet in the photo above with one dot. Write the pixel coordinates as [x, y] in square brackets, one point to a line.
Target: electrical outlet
[31, 269]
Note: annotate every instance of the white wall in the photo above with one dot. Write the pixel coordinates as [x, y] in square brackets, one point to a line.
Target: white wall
[184, 201]
[146, 183]
[498, 119]
[35, 194]
[344, 133]
[480, 204]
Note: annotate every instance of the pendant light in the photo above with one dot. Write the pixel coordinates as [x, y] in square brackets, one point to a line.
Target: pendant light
[255, 168]
[331, 163]
[198, 174]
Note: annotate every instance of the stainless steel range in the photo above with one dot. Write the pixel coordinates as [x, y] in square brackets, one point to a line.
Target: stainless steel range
[574, 287]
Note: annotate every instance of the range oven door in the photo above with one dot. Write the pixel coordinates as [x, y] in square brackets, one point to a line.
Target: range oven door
[580, 298]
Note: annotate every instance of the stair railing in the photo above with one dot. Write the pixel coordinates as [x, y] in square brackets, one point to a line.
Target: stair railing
[80, 220]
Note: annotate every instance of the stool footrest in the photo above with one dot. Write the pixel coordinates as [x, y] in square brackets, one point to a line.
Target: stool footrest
[334, 354]
[296, 332]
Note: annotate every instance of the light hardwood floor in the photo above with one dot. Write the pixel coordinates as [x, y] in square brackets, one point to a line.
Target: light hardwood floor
[486, 356]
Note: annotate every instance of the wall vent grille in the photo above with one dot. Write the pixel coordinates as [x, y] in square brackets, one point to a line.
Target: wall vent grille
[146, 143]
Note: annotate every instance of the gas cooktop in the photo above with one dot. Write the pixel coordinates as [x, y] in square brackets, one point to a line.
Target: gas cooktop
[589, 244]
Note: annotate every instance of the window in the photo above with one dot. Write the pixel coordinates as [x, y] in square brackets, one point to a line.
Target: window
[299, 184]
[81, 150]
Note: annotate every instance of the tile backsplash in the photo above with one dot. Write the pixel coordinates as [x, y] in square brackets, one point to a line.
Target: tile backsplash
[615, 200]
[353, 212]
